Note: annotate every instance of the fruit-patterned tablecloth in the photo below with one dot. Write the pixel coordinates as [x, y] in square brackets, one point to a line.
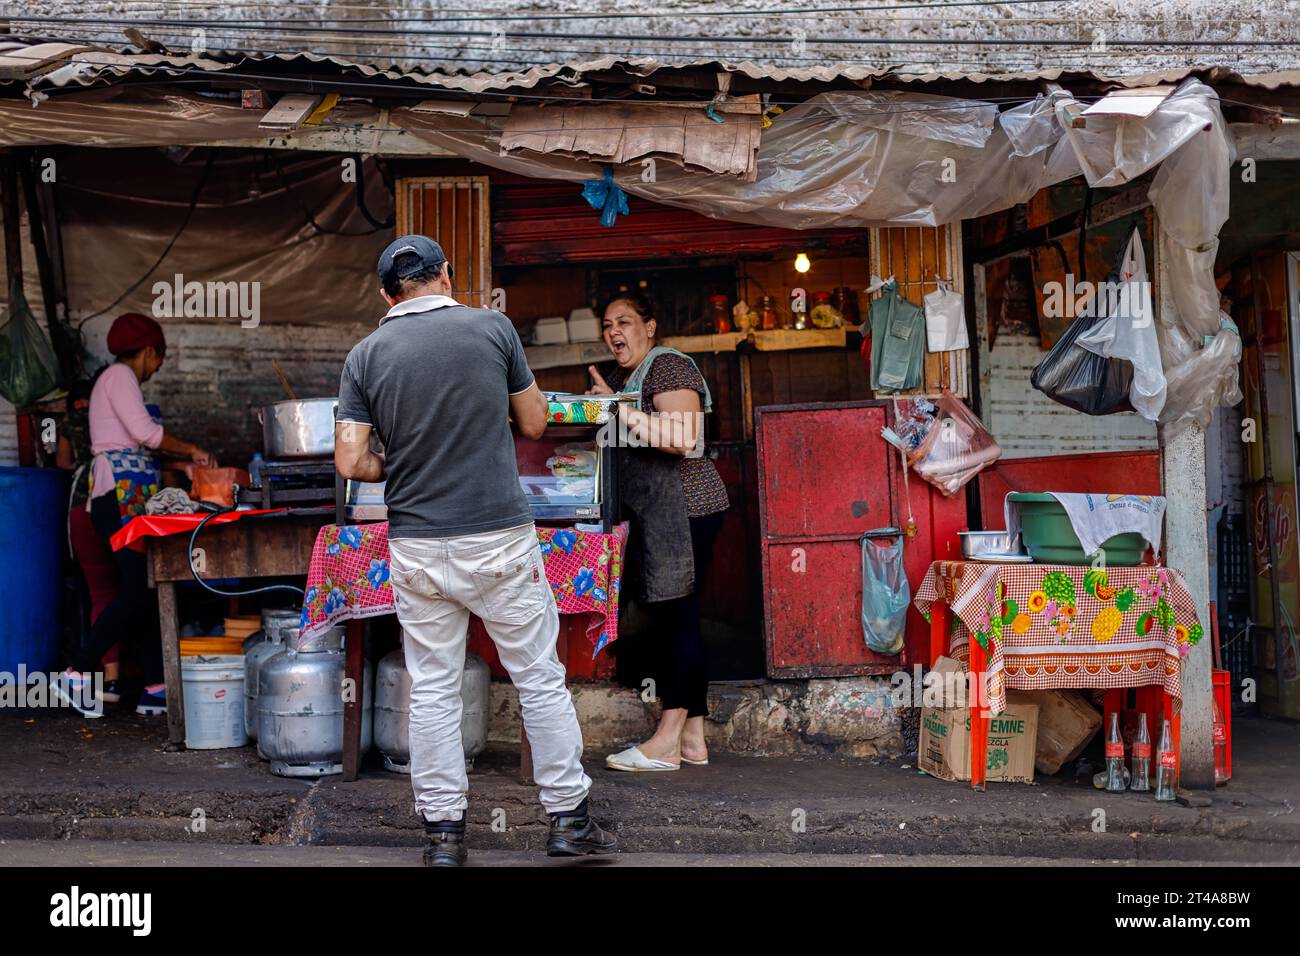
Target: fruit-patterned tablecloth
[348, 576]
[1048, 626]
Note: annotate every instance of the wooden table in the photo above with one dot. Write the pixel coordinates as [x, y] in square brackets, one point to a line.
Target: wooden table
[1040, 626]
[254, 547]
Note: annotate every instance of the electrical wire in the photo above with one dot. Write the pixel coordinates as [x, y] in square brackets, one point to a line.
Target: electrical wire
[207, 168]
[262, 590]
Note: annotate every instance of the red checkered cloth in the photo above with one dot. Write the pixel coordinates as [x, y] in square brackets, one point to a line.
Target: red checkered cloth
[348, 577]
[1048, 626]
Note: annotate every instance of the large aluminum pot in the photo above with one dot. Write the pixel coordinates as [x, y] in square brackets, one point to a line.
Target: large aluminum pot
[393, 710]
[299, 429]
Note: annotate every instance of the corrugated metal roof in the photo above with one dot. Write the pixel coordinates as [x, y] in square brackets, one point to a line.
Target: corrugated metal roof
[83, 66]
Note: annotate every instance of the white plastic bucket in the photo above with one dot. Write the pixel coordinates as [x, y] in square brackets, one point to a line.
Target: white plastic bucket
[214, 701]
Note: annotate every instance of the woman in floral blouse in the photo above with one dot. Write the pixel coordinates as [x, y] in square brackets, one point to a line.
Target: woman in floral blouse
[669, 419]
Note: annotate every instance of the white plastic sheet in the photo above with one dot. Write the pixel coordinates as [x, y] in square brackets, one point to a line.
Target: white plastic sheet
[841, 159]
[1201, 377]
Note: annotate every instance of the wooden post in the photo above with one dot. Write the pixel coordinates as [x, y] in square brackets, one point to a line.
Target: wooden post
[354, 671]
[9, 210]
[171, 652]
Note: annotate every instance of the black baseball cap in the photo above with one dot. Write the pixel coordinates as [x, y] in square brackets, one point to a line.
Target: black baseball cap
[427, 255]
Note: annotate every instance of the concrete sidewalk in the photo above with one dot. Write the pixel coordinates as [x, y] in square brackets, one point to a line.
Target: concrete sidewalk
[110, 780]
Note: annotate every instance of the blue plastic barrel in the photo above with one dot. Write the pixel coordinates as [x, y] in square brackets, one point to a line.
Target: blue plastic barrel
[33, 522]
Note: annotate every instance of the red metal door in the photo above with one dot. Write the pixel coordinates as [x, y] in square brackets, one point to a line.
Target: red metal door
[825, 476]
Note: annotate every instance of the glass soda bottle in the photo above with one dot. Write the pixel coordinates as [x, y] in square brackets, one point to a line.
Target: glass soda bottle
[1220, 747]
[1168, 762]
[1114, 756]
[1142, 756]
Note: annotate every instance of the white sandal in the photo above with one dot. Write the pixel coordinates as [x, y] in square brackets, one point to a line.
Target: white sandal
[635, 761]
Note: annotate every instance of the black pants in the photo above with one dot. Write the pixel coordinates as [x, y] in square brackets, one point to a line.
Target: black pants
[133, 617]
[681, 661]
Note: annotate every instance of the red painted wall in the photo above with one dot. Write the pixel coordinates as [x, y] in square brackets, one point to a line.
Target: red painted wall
[1129, 472]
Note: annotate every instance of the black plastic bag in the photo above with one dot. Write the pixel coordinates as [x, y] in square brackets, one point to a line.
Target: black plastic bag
[28, 368]
[1084, 380]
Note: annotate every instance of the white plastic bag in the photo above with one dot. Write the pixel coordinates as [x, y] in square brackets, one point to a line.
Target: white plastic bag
[1200, 379]
[945, 320]
[1129, 330]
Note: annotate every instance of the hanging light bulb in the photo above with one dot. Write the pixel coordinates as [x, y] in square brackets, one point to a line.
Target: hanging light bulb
[802, 263]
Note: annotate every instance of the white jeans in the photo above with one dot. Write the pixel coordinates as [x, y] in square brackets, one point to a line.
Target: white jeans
[438, 583]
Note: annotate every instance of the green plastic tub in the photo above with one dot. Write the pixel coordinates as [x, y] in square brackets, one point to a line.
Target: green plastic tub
[1050, 539]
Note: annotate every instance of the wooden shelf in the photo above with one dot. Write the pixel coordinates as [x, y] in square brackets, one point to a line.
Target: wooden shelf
[774, 340]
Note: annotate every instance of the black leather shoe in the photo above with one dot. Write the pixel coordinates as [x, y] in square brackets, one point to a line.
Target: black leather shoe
[445, 849]
[578, 835]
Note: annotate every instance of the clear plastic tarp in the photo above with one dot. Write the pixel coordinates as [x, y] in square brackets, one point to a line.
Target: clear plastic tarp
[841, 159]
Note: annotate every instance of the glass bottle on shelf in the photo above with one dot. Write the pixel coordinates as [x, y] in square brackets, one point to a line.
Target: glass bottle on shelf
[799, 312]
[770, 315]
[1114, 756]
[846, 301]
[1142, 756]
[719, 314]
[1168, 763]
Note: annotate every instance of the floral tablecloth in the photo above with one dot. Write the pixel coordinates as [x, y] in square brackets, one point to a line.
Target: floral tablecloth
[348, 577]
[1048, 626]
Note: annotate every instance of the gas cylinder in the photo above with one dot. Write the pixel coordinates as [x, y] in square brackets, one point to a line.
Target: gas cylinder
[393, 710]
[300, 707]
[261, 644]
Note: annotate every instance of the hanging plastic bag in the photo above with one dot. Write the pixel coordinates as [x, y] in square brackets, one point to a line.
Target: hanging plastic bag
[1080, 378]
[885, 594]
[945, 320]
[1129, 330]
[28, 368]
[955, 449]
[1200, 379]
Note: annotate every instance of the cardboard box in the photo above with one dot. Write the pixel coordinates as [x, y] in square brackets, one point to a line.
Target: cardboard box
[944, 749]
[1066, 722]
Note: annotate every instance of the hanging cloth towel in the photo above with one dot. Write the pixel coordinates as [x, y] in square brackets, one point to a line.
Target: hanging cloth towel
[1098, 518]
[897, 342]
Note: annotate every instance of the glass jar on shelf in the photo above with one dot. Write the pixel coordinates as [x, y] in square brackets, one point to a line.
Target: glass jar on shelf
[799, 312]
[719, 314]
[824, 314]
[769, 314]
[846, 300]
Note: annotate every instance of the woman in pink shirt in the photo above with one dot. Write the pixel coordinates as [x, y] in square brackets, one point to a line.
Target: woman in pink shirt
[125, 473]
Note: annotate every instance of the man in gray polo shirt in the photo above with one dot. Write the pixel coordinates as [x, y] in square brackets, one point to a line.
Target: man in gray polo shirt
[439, 382]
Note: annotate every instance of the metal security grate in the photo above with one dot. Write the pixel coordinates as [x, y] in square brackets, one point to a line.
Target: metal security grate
[453, 210]
[1233, 596]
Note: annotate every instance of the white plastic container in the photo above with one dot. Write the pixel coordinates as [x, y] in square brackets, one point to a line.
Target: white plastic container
[214, 701]
[551, 331]
[583, 326]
